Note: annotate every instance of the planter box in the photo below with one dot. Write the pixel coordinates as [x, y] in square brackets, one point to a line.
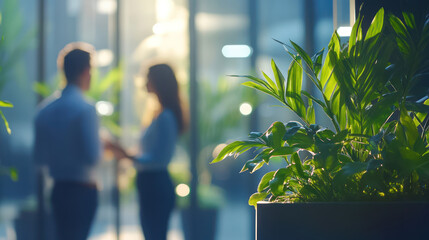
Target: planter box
[342, 220]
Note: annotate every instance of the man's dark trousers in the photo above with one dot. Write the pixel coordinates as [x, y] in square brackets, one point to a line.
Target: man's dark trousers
[74, 205]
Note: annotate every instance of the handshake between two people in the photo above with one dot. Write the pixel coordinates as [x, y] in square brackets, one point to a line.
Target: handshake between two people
[118, 151]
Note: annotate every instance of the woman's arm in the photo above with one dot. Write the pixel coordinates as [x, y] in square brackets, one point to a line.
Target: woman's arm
[118, 150]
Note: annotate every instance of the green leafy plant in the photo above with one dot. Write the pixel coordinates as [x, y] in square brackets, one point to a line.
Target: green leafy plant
[107, 88]
[378, 148]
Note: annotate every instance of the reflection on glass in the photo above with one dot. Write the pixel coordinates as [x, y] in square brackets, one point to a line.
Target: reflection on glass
[106, 6]
[236, 51]
[344, 31]
[343, 14]
[182, 190]
[245, 109]
[104, 108]
[164, 9]
[169, 27]
[104, 57]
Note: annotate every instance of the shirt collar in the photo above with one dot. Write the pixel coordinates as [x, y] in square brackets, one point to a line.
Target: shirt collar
[72, 89]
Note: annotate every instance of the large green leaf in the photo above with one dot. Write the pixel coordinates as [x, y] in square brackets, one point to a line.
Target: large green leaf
[376, 25]
[340, 136]
[403, 37]
[269, 81]
[325, 134]
[283, 151]
[293, 90]
[417, 107]
[317, 62]
[309, 96]
[349, 170]
[327, 78]
[352, 168]
[409, 20]
[354, 35]
[236, 148]
[298, 165]
[311, 115]
[265, 180]
[256, 197]
[381, 107]
[292, 128]
[277, 182]
[254, 164]
[275, 135]
[410, 129]
[261, 82]
[339, 109]
[300, 140]
[261, 88]
[399, 157]
[280, 80]
[303, 54]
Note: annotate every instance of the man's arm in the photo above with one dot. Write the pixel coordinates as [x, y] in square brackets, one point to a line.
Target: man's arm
[90, 139]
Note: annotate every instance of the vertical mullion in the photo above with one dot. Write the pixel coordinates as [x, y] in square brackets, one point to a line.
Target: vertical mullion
[40, 177]
[116, 191]
[194, 138]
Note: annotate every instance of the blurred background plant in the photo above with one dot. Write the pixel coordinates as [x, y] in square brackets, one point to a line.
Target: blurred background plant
[223, 99]
[14, 42]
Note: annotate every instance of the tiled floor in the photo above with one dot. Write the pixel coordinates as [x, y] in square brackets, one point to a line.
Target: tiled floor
[234, 223]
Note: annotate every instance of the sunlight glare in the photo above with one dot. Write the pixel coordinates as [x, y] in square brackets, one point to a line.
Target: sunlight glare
[245, 109]
[104, 57]
[236, 51]
[104, 108]
[183, 190]
[106, 6]
[344, 31]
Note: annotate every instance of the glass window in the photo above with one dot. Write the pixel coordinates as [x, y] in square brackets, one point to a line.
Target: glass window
[150, 32]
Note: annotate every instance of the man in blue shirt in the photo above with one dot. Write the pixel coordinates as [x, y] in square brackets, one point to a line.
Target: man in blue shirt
[67, 143]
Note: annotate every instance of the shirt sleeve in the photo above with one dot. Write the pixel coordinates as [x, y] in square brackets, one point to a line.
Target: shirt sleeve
[89, 125]
[159, 143]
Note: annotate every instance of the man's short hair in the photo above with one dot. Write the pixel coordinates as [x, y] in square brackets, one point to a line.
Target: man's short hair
[74, 59]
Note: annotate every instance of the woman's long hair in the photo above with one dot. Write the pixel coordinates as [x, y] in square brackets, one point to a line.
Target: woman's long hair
[164, 81]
